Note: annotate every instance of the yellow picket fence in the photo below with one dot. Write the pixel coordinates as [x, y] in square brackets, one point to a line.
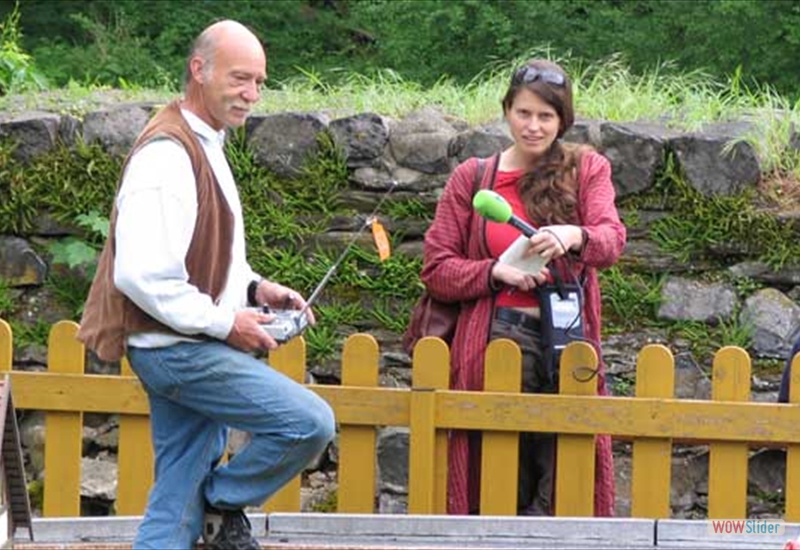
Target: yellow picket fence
[652, 421]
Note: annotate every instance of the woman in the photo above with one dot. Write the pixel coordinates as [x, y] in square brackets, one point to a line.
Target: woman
[566, 192]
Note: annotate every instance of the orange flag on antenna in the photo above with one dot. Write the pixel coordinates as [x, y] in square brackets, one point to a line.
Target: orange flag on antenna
[381, 239]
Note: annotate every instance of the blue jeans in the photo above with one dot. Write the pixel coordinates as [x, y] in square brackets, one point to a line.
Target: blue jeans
[198, 390]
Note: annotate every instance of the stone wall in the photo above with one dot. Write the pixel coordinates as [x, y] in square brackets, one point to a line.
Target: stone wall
[418, 151]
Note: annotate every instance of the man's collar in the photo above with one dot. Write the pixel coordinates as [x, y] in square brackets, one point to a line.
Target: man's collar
[202, 128]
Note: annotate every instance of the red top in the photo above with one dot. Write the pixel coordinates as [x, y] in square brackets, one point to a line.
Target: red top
[499, 237]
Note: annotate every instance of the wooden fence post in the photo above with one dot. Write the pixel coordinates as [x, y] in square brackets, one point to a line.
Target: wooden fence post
[289, 359]
[652, 457]
[6, 347]
[792, 492]
[427, 449]
[500, 450]
[575, 463]
[134, 459]
[63, 430]
[360, 358]
[727, 462]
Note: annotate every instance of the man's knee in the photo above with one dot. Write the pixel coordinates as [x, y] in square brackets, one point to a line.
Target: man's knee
[319, 426]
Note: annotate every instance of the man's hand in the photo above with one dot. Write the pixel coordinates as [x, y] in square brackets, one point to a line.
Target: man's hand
[278, 296]
[247, 334]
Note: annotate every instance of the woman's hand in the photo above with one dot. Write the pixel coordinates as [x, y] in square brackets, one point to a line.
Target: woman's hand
[511, 276]
[553, 241]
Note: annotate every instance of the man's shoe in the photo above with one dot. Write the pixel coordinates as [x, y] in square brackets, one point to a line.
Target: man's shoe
[227, 530]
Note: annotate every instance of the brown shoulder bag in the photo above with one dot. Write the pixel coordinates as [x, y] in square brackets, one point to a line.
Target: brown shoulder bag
[430, 316]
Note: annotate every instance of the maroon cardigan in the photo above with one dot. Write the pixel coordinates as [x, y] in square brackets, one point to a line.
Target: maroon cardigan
[457, 268]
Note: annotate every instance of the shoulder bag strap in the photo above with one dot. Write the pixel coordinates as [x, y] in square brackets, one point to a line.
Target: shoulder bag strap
[479, 170]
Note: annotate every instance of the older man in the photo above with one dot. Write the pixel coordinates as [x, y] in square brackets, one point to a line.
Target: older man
[169, 292]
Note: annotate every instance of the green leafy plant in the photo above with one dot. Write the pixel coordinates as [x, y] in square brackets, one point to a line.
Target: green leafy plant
[396, 277]
[79, 256]
[277, 210]
[6, 299]
[706, 339]
[745, 286]
[96, 223]
[71, 186]
[70, 288]
[86, 179]
[697, 334]
[768, 366]
[321, 180]
[718, 226]
[387, 315]
[408, 208]
[30, 334]
[732, 332]
[18, 201]
[621, 385]
[18, 205]
[17, 71]
[631, 217]
[630, 299]
[327, 506]
[36, 493]
[76, 252]
[113, 53]
[288, 265]
[72, 252]
[337, 313]
[322, 342]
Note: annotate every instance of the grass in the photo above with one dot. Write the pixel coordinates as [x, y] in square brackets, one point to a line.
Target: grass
[606, 90]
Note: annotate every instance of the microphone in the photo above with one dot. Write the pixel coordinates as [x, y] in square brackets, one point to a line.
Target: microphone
[494, 207]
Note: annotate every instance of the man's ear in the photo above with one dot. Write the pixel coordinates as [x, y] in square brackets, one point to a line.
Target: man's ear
[196, 66]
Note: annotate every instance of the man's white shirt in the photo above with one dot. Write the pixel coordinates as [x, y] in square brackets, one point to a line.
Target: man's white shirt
[156, 215]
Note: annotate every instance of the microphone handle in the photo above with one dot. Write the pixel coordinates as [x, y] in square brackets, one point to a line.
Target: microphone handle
[525, 228]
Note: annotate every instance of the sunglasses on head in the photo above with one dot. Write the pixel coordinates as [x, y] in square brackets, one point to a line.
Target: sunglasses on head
[528, 74]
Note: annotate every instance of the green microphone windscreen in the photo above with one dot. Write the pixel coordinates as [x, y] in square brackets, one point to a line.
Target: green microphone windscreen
[491, 206]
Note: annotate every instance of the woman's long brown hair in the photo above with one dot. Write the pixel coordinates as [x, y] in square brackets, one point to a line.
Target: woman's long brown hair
[550, 191]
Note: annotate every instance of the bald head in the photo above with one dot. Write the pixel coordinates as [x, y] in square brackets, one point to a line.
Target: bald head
[224, 74]
[222, 35]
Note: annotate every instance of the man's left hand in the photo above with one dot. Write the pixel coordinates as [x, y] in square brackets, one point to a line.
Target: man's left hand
[277, 296]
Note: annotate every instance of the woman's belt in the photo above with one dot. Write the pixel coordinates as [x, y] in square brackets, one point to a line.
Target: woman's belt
[515, 317]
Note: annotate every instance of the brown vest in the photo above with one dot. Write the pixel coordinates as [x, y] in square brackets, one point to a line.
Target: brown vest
[109, 316]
